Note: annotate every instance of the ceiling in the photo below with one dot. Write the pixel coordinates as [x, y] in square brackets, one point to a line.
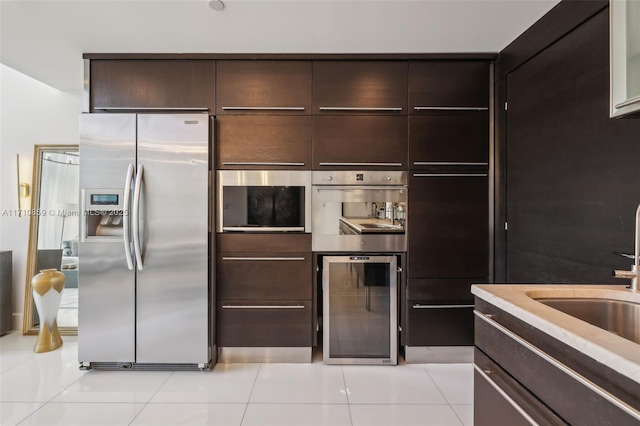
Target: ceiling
[46, 39]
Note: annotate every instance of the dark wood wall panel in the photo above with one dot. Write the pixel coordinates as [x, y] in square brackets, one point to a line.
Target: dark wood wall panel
[563, 18]
[572, 172]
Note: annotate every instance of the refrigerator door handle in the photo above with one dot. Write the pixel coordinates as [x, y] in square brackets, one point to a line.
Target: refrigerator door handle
[125, 213]
[136, 217]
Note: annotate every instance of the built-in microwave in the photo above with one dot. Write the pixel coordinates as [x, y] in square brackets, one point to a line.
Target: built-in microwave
[263, 201]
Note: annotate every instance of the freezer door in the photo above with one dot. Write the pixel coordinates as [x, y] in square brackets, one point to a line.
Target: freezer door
[172, 281]
[106, 313]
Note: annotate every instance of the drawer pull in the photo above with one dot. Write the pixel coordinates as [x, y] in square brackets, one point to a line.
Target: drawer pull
[450, 175]
[361, 164]
[265, 258]
[260, 163]
[138, 108]
[262, 306]
[623, 406]
[447, 163]
[419, 306]
[248, 108]
[389, 109]
[443, 108]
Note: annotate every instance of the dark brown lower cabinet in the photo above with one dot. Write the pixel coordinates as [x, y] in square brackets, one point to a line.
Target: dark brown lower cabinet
[264, 276]
[500, 400]
[431, 324]
[264, 289]
[550, 381]
[264, 323]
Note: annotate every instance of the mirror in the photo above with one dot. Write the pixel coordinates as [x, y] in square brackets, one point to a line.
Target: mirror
[54, 230]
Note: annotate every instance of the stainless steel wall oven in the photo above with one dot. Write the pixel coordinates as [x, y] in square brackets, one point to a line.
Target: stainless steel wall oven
[263, 201]
[361, 211]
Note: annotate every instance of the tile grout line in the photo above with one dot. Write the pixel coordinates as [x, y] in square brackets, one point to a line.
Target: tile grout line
[346, 393]
[443, 395]
[50, 399]
[152, 396]
[246, 407]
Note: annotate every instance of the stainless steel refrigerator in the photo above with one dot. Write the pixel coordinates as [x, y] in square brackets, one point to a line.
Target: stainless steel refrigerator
[144, 280]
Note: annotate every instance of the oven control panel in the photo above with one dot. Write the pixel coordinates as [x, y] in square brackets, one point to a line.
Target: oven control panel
[370, 177]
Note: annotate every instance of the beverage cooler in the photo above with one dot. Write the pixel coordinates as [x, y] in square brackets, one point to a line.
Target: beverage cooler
[360, 309]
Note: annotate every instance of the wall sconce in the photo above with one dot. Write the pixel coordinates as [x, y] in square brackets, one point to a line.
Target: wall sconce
[24, 190]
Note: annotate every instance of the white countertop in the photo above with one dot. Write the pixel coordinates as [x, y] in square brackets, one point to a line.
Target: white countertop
[616, 352]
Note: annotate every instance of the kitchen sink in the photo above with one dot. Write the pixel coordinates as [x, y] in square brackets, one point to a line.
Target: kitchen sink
[619, 317]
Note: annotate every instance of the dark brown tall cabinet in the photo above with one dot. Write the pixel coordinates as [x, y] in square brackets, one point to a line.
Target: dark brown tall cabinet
[448, 203]
[263, 114]
[360, 115]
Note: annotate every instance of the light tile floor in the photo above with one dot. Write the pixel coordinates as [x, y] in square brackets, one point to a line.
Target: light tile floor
[49, 389]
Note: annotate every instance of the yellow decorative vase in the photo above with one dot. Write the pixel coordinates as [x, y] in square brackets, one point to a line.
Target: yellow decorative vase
[47, 292]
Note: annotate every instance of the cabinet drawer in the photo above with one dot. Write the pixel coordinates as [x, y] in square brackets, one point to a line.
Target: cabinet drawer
[498, 396]
[263, 243]
[449, 139]
[442, 290]
[264, 323]
[264, 87]
[153, 84]
[432, 324]
[360, 141]
[263, 142]
[264, 276]
[452, 84]
[556, 384]
[360, 87]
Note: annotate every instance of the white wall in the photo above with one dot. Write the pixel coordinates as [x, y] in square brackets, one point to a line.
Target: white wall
[31, 113]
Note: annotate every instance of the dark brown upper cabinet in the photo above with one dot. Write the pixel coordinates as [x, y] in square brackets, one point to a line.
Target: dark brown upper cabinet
[263, 142]
[266, 87]
[448, 85]
[449, 139]
[363, 142]
[142, 84]
[360, 87]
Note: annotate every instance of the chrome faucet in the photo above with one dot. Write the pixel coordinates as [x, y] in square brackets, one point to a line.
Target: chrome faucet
[633, 273]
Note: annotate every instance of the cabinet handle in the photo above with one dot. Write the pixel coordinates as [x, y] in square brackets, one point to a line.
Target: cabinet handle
[450, 175]
[443, 108]
[263, 229]
[628, 102]
[400, 188]
[201, 109]
[445, 163]
[557, 364]
[248, 108]
[262, 306]
[260, 163]
[361, 164]
[264, 258]
[390, 109]
[419, 306]
[485, 375]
